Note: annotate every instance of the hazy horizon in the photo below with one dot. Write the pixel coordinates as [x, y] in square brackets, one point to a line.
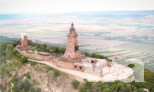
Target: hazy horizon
[64, 6]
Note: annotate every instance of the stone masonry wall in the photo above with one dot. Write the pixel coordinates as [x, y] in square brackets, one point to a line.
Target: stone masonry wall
[36, 56]
[64, 65]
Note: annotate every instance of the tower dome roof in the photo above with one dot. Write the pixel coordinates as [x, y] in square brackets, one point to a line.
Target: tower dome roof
[72, 29]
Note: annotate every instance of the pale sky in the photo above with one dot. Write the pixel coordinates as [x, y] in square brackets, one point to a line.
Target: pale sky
[59, 6]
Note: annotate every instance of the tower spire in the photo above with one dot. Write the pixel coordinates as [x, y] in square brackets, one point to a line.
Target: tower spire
[72, 25]
[72, 29]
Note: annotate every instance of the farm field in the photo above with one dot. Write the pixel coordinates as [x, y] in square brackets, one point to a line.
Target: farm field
[125, 50]
[136, 50]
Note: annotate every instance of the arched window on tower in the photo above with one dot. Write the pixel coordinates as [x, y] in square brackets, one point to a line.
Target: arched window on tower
[76, 48]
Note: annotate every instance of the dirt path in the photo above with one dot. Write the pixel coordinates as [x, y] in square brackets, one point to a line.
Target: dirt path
[117, 74]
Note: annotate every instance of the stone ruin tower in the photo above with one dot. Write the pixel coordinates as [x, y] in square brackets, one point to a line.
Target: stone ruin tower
[24, 41]
[72, 49]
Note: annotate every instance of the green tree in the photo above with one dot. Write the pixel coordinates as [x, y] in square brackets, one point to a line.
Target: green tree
[128, 88]
[75, 84]
[96, 87]
[106, 90]
[82, 88]
[56, 49]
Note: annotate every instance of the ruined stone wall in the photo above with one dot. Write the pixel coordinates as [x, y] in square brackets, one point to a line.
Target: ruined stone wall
[79, 67]
[36, 56]
[78, 59]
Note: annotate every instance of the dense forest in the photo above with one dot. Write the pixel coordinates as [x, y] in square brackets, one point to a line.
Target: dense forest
[9, 54]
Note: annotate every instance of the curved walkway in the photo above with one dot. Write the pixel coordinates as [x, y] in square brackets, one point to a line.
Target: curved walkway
[120, 72]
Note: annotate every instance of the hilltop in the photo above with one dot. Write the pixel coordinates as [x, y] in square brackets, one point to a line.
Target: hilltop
[16, 69]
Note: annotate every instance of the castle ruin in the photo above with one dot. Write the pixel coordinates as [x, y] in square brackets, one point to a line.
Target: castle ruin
[72, 58]
[24, 42]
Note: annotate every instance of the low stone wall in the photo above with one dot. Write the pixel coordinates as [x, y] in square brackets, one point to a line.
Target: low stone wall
[68, 65]
[35, 56]
[64, 64]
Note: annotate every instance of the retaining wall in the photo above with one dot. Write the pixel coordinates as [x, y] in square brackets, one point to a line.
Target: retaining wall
[36, 56]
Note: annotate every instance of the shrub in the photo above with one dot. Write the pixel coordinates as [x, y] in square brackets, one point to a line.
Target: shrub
[34, 90]
[24, 86]
[33, 63]
[3, 88]
[82, 88]
[24, 60]
[27, 75]
[51, 68]
[8, 73]
[131, 65]
[56, 73]
[75, 84]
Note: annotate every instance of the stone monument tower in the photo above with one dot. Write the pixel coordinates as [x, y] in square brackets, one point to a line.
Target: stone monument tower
[24, 42]
[72, 49]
